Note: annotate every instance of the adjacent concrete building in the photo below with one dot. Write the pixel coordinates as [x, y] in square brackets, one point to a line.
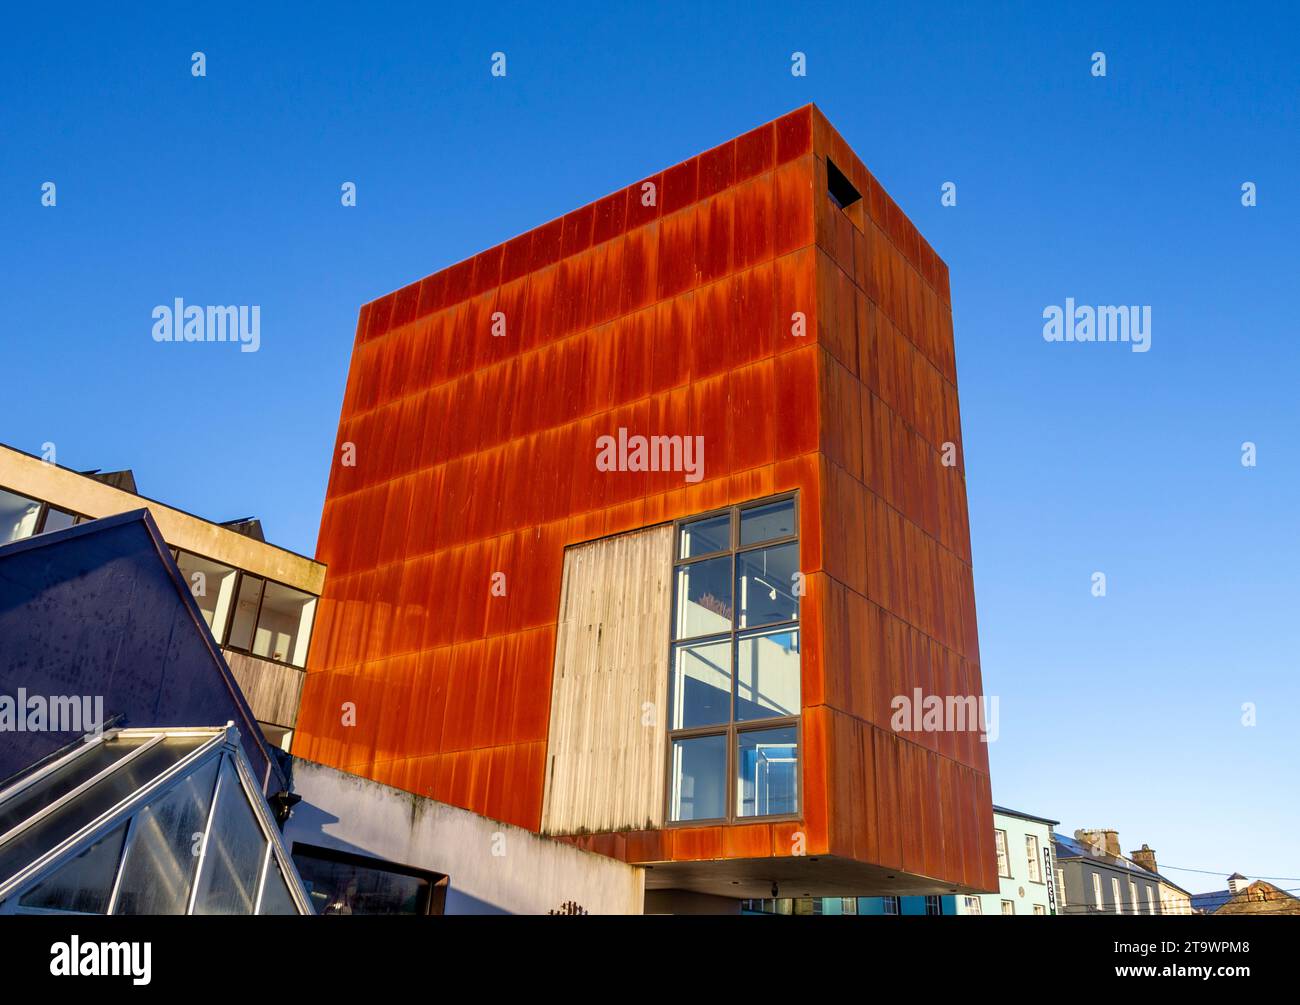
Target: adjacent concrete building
[258, 600]
[367, 848]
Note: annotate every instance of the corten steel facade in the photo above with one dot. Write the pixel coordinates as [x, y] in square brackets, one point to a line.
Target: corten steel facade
[475, 454]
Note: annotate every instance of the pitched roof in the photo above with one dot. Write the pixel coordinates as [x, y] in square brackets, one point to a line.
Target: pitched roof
[1261, 897]
[99, 610]
[1067, 848]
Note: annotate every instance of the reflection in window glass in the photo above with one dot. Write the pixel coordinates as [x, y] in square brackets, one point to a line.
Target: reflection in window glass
[160, 863]
[767, 523]
[284, 626]
[18, 516]
[767, 772]
[704, 597]
[765, 583]
[704, 536]
[85, 884]
[340, 885]
[735, 664]
[767, 675]
[699, 691]
[699, 778]
[236, 848]
[250, 598]
[213, 586]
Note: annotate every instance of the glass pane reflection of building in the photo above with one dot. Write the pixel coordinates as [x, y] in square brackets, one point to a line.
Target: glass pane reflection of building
[735, 660]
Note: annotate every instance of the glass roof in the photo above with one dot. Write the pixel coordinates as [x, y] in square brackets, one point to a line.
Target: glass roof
[165, 821]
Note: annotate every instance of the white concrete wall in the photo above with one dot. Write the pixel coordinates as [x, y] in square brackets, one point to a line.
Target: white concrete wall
[493, 867]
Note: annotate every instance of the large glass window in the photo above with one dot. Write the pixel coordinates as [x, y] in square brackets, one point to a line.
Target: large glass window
[250, 599]
[734, 700]
[284, 624]
[57, 519]
[272, 620]
[344, 883]
[700, 685]
[699, 775]
[18, 516]
[767, 772]
[213, 586]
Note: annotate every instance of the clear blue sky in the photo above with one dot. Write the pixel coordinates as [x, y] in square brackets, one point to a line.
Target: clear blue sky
[1120, 712]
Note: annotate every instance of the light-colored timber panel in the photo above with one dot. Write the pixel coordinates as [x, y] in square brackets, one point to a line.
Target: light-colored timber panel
[604, 764]
[272, 690]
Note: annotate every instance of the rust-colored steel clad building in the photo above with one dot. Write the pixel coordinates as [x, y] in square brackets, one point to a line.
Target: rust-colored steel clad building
[639, 523]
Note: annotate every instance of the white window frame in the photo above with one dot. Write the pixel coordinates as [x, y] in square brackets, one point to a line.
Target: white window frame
[1031, 854]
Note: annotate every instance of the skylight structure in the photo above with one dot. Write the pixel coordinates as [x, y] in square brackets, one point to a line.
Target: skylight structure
[144, 821]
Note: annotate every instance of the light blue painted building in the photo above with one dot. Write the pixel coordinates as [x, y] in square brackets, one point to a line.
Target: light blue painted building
[1028, 880]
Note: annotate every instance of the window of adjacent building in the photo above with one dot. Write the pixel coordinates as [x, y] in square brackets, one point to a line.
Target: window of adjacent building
[1031, 853]
[848, 905]
[1115, 895]
[933, 905]
[1060, 887]
[57, 519]
[18, 516]
[213, 587]
[1096, 890]
[344, 883]
[1040, 909]
[284, 624]
[1004, 861]
[890, 905]
[1151, 903]
[1008, 907]
[272, 620]
[733, 692]
[808, 905]
[22, 517]
[246, 607]
[1133, 897]
[973, 906]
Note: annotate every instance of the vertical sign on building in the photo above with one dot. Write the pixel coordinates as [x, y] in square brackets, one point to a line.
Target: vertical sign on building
[1050, 876]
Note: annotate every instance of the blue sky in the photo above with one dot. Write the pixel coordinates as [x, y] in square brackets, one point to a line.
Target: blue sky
[1122, 711]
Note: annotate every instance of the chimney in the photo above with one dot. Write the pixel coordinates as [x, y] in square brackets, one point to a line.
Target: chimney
[1100, 842]
[1236, 883]
[1144, 857]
